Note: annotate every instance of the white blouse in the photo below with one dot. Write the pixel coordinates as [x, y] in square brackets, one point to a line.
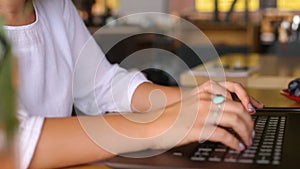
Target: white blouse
[53, 77]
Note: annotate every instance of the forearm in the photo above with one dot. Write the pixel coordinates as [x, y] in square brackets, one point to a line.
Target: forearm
[149, 97]
[62, 143]
[79, 140]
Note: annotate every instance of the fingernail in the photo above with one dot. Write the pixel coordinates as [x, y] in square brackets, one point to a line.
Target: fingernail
[251, 108]
[250, 142]
[253, 134]
[242, 146]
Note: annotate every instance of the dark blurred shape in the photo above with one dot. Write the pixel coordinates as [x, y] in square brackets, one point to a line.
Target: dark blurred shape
[149, 40]
[294, 87]
[267, 4]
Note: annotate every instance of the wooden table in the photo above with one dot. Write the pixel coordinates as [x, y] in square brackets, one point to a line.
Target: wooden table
[264, 71]
[271, 74]
[272, 98]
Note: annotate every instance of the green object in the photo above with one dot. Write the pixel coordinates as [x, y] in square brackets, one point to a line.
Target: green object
[218, 99]
[8, 120]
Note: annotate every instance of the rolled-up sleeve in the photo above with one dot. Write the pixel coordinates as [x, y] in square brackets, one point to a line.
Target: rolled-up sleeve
[114, 91]
[100, 86]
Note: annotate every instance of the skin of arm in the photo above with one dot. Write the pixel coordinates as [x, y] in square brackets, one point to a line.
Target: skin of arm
[149, 97]
[64, 142]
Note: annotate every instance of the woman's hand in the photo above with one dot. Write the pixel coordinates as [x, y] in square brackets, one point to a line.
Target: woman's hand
[214, 120]
[234, 114]
[233, 91]
[198, 118]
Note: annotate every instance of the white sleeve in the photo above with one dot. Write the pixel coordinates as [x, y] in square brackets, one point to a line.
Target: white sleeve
[98, 85]
[29, 133]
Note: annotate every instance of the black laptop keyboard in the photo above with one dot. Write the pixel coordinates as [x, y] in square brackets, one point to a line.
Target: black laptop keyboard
[266, 147]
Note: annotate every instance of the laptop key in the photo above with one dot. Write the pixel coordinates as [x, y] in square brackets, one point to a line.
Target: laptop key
[220, 149]
[215, 159]
[263, 161]
[218, 155]
[265, 154]
[205, 149]
[246, 160]
[265, 150]
[231, 160]
[276, 162]
[231, 157]
[248, 156]
[194, 158]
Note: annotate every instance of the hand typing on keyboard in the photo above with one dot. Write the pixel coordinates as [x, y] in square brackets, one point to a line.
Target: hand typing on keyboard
[266, 147]
[214, 109]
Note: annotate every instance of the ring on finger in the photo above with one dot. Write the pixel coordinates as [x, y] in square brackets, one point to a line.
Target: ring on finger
[218, 101]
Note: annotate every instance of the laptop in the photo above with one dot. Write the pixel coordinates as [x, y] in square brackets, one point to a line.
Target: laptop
[275, 146]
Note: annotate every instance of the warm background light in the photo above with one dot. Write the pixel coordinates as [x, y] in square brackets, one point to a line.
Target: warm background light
[288, 4]
[224, 5]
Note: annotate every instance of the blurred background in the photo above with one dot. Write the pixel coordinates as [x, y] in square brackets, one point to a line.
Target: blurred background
[244, 27]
